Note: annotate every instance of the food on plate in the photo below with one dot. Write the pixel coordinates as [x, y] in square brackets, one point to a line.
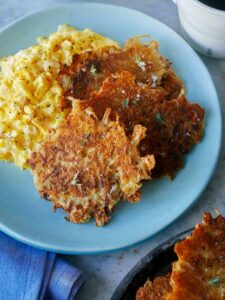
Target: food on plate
[199, 272]
[87, 165]
[94, 120]
[30, 95]
[173, 85]
[157, 289]
[142, 59]
[173, 127]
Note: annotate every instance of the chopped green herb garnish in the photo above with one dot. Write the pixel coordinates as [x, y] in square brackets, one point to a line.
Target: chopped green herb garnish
[93, 70]
[159, 118]
[216, 280]
[140, 63]
[85, 139]
[125, 103]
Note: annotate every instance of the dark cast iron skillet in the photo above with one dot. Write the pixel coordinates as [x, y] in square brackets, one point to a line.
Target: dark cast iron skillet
[157, 262]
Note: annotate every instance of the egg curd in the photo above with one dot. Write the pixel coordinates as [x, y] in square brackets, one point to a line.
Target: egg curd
[30, 95]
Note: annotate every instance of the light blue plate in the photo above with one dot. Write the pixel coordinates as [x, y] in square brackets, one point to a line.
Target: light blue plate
[28, 218]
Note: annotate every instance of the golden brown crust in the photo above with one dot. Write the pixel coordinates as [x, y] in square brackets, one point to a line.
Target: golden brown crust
[157, 289]
[88, 165]
[168, 138]
[199, 272]
[172, 85]
[182, 128]
[90, 69]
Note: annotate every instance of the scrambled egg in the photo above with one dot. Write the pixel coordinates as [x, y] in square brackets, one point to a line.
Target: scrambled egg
[30, 95]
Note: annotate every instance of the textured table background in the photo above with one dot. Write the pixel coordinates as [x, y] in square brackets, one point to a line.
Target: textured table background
[106, 271]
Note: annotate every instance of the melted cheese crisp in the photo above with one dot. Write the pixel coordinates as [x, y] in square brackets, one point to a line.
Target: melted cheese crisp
[30, 95]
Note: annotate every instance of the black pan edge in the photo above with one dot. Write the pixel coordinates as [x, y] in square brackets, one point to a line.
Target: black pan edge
[157, 262]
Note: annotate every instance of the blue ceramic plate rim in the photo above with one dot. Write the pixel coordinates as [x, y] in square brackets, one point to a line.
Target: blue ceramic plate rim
[103, 248]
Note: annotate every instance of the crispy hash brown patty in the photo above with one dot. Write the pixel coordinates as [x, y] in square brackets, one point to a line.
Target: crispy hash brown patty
[89, 69]
[173, 127]
[199, 272]
[157, 289]
[87, 166]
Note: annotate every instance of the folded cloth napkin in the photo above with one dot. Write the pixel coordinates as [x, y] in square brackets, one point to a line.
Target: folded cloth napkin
[27, 273]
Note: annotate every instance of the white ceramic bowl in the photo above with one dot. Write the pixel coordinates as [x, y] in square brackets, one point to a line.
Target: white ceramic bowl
[203, 27]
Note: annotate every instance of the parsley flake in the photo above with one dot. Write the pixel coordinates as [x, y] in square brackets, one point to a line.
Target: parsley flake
[140, 63]
[125, 103]
[159, 118]
[87, 136]
[216, 280]
[93, 70]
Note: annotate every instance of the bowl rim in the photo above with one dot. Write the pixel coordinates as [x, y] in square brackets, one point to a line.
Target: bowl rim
[208, 8]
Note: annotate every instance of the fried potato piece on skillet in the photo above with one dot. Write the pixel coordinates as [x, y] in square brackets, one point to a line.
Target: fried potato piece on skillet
[87, 166]
[89, 69]
[173, 127]
[158, 289]
[199, 273]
